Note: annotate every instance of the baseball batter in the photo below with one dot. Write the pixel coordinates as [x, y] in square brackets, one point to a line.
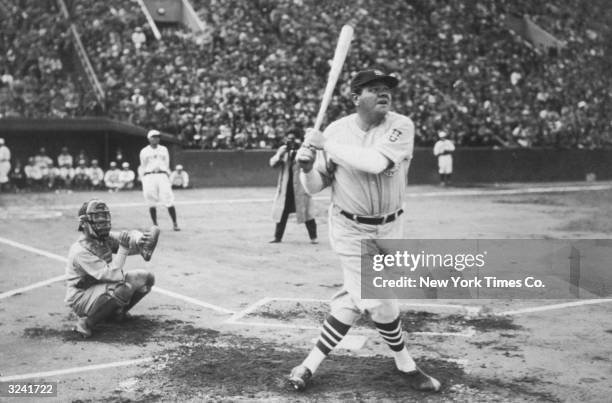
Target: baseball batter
[156, 187]
[443, 149]
[368, 155]
[97, 286]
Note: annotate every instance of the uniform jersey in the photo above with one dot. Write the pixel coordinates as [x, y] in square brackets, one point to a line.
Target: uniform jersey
[179, 179]
[442, 150]
[111, 178]
[362, 193]
[64, 159]
[126, 176]
[88, 264]
[96, 175]
[155, 159]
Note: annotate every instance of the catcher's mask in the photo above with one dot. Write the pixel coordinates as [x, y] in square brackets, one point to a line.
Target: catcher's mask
[95, 219]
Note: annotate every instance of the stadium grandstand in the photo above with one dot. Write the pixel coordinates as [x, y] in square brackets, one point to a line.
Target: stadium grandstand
[502, 73]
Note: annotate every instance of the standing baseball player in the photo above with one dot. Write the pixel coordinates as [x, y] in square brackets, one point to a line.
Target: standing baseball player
[97, 286]
[5, 164]
[155, 163]
[367, 158]
[443, 149]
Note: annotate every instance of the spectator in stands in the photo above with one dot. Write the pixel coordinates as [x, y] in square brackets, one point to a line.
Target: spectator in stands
[5, 165]
[18, 178]
[126, 177]
[138, 38]
[96, 175]
[111, 177]
[81, 180]
[179, 178]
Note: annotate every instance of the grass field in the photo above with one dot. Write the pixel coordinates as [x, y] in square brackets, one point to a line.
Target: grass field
[231, 314]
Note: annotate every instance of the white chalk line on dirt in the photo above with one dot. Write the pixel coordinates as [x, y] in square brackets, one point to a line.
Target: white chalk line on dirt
[544, 308]
[469, 333]
[63, 277]
[442, 193]
[235, 319]
[75, 370]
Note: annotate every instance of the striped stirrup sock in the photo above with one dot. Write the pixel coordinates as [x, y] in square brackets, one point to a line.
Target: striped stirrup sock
[392, 333]
[332, 333]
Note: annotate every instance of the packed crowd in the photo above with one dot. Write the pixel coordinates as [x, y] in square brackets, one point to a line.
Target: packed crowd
[67, 173]
[37, 64]
[259, 68]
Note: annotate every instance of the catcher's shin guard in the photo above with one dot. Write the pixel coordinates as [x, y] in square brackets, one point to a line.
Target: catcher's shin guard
[140, 294]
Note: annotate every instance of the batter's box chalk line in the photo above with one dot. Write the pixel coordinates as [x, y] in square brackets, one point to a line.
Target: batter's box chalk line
[358, 337]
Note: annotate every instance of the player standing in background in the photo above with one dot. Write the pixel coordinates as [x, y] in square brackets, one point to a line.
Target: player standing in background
[156, 188]
[5, 164]
[369, 154]
[443, 149]
[126, 177]
[97, 287]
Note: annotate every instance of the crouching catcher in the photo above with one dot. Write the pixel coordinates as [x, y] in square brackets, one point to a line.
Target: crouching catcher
[97, 287]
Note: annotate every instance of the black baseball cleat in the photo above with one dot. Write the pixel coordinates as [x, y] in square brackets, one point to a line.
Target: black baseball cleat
[176, 227]
[275, 240]
[299, 377]
[422, 382]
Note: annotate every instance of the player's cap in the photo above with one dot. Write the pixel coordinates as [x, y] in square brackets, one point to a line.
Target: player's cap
[152, 133]
[442, 134]
[94, 162]
[112, 164]
[81, 162]
[179, 167]
[125, 165]
[1, 141]
[369, 76]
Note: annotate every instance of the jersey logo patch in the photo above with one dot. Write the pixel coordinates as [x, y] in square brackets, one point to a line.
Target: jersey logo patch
[395, 135]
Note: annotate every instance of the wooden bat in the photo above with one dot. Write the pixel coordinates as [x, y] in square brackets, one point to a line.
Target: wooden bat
[342, 48]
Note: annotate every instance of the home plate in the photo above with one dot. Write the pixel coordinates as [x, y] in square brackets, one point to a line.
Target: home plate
[349, 342]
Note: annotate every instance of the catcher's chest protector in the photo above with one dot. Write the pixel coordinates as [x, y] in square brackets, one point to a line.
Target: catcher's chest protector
[102, 249]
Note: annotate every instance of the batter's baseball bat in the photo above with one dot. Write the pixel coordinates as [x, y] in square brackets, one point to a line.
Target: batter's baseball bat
[342, 48]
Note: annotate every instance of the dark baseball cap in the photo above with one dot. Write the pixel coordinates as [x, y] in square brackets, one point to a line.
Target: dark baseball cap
[364, 77]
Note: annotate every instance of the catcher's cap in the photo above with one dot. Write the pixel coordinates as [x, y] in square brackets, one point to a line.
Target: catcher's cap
[365, 77]
[179, 167]
[125, 165]
[152, 133]
[442, 134]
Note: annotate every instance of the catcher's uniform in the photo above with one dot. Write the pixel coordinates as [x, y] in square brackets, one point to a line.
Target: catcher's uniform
[89, 273]
[156, 188]
[443, 149]
[366, 206]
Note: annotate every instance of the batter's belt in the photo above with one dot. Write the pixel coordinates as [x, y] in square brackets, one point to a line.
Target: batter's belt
[155, 172]
[373, 220]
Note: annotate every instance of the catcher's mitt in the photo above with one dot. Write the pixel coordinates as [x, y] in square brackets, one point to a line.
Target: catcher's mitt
[148, 242]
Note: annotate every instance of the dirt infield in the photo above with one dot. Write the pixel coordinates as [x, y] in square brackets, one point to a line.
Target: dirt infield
[233, 314]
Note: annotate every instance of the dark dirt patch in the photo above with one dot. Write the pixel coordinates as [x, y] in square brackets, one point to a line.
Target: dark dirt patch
[138, 330]
[609, 331]
[222, 366]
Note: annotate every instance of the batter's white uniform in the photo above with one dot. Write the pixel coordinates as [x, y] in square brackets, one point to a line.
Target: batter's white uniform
[364, 194]
[156, 186]
[445, 161]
